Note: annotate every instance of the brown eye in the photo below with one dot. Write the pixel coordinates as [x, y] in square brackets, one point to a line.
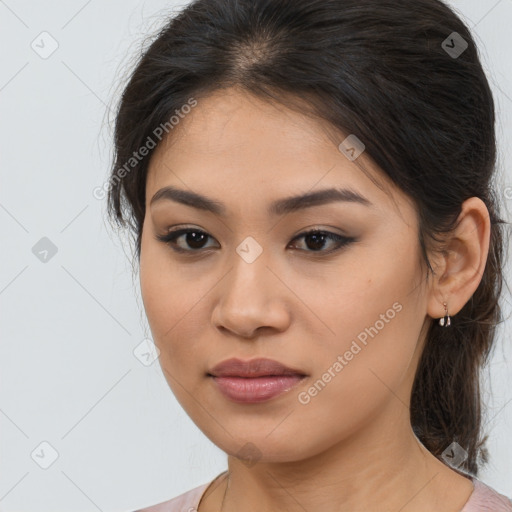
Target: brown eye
[316, 240]
[194, 239]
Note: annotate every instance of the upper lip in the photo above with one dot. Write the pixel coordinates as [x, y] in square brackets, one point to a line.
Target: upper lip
[254, 368]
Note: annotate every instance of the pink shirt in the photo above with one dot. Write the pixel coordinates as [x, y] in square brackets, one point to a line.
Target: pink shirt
[482, 499]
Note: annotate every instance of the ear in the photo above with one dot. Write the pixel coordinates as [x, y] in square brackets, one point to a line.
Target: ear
[461, 267]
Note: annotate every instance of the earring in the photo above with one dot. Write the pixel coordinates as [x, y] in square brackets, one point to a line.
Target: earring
[445, 320]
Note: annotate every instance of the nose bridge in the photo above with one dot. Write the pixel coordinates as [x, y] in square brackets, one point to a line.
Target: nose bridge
[249, 269]
[250, 250]
[250, 292]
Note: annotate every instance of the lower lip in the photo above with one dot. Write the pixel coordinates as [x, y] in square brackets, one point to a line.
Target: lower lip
[258, 389]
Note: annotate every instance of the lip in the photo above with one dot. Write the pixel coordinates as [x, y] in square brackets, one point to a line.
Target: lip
[260, 367]
[254, 381]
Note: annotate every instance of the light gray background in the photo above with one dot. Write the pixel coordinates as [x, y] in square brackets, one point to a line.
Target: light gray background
[69, 326]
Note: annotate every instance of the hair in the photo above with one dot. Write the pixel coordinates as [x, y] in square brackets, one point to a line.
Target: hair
[374, 68]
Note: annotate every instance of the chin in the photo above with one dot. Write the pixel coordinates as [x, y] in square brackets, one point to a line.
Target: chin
[261, 447]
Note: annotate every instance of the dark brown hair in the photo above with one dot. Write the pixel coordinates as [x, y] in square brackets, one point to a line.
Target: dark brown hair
[380, 69]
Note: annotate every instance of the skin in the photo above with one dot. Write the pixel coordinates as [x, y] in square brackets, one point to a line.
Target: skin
[352, 446]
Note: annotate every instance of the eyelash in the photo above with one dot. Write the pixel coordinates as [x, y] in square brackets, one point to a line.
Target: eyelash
[171, 237]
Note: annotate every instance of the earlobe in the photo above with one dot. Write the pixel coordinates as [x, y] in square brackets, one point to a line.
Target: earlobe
[445, 320]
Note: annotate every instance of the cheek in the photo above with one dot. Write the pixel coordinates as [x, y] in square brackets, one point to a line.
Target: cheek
[175, 306]
[169, 315]
[158, 303]
[353, 380]
[374, 315]
[161, 290]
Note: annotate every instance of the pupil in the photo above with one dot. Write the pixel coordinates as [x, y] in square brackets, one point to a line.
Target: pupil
[318, 241]
[194, 243]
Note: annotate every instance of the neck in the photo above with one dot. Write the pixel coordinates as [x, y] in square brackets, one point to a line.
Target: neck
[371, 470]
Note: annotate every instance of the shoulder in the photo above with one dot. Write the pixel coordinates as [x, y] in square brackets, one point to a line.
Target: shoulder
[486, 499]
[186, 502]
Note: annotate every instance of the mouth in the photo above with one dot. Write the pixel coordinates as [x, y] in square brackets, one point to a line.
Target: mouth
[254, 381]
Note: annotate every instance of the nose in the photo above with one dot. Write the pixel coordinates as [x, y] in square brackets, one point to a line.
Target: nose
[251, 298]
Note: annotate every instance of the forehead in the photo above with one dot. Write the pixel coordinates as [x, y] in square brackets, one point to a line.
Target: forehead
[234, 144]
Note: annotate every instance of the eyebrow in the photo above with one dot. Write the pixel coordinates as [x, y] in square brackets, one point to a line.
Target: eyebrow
[278, 207]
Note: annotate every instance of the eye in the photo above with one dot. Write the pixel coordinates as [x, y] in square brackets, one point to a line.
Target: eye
[194, 240]
[317, 239]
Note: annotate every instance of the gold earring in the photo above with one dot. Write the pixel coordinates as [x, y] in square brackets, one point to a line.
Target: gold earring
[445, 320]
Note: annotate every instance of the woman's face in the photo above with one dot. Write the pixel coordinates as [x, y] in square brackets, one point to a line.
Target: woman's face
[348, 315]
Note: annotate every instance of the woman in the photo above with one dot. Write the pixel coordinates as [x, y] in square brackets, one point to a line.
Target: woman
[309, 185]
